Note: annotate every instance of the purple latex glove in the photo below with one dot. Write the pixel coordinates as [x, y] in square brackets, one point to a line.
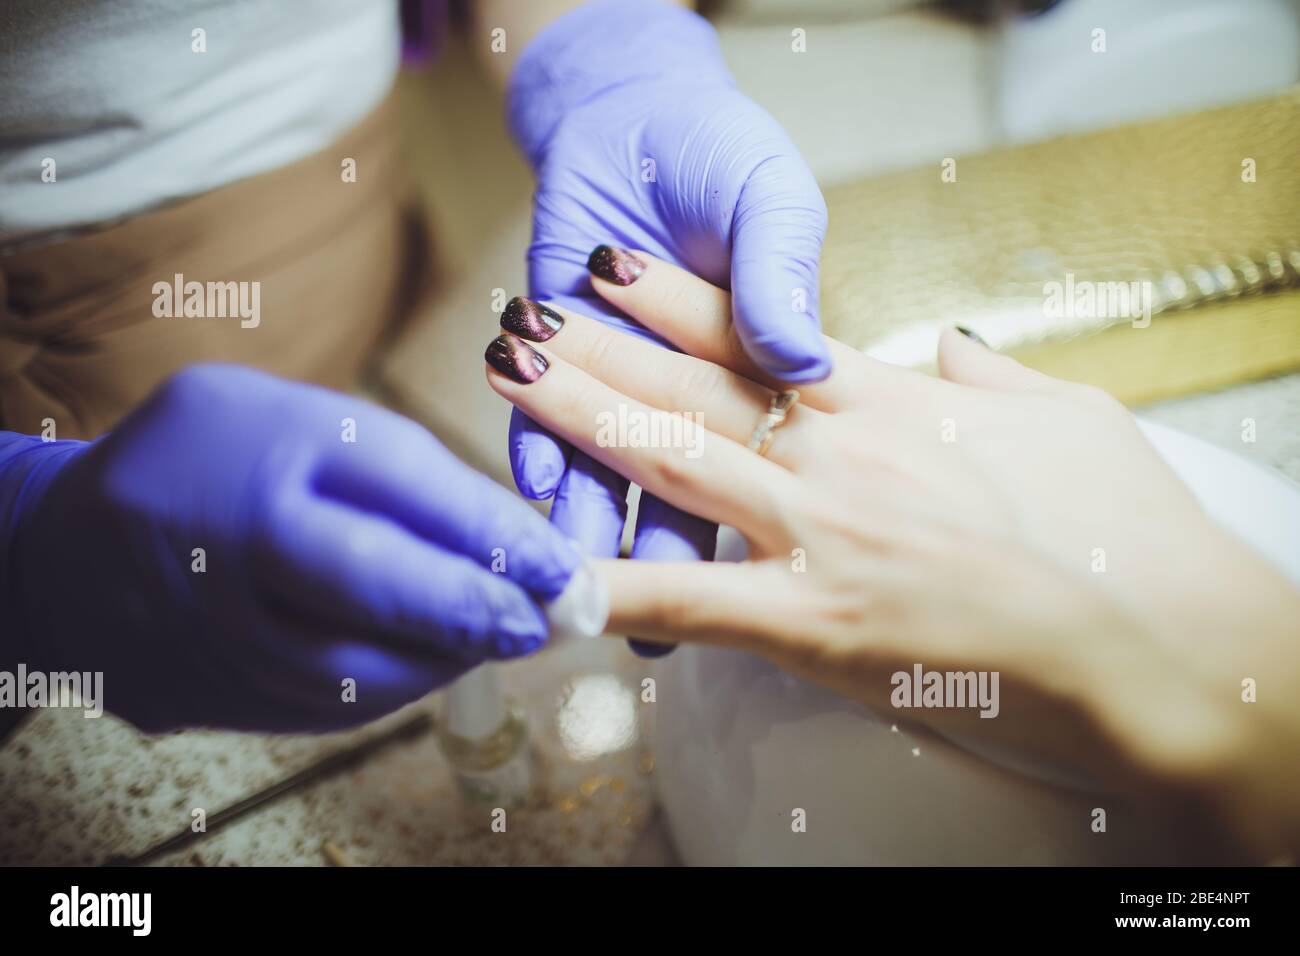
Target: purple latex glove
[640, 140]
[325, 559]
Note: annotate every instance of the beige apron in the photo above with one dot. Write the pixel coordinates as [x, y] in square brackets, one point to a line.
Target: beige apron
[340, 266]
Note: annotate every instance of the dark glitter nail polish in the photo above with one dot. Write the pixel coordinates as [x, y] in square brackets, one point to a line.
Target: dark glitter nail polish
[973, 336]
[530, 320]
[614, 265]
[513, 357]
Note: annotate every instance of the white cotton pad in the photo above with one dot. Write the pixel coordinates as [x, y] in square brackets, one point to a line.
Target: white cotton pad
[582, 609]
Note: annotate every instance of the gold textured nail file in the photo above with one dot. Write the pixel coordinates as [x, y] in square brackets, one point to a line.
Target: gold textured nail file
[1152, 259]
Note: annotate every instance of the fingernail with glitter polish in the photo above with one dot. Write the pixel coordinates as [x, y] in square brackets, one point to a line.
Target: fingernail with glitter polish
[614, 265]
[973, 336]
[530, 320]
[513, 357]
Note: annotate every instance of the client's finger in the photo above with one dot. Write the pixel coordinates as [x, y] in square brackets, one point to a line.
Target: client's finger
[590, 506]
[718, 603]
[966, 360]
[669, 455]
[730, 404]
[537, 460]
[696, 317]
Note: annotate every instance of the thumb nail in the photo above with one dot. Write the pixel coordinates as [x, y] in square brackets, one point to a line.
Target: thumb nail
[972, 335]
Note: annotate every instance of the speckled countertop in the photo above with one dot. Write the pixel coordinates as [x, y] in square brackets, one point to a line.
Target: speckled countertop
[81, 791]
[1274, 405]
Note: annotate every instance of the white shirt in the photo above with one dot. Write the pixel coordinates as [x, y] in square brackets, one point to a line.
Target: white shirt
[115, 93]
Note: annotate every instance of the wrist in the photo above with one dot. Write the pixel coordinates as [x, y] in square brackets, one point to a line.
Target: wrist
[1219, 762]
[605, 45]
[1223, 775]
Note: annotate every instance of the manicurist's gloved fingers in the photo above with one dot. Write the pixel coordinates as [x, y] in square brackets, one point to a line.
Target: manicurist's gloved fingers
[537, 458]
[777, 233]
[663, 533]
[406, 476]
[719, 479]
[328, 560]
[590, 506]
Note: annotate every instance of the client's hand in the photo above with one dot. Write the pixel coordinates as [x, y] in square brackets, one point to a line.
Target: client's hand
[992, 519]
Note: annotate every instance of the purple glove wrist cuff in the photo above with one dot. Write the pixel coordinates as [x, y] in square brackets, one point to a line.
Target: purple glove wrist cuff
[424, 29]
[602, 46]
[27, 467]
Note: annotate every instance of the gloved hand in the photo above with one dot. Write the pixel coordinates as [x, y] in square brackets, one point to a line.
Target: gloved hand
[322, 558]
[639, 139]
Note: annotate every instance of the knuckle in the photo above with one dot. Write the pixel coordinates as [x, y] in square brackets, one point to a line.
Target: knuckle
[596, 351]
[696, 385]
[580, 407]
[734, 355]
[678, 298]
[671, 468]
